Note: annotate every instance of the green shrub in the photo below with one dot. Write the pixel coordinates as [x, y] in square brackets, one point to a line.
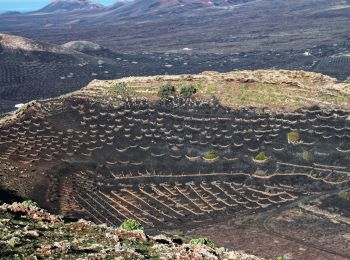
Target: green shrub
[187, 91]
[261, 156]
[210, 155]
[202, 241]
[130, 225]
[167, 91]
[344, 194]
[30, 204]
[293, 137]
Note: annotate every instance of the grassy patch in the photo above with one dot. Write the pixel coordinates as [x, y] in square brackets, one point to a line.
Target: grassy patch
[211, 91]
[121, 89]
[259, 94]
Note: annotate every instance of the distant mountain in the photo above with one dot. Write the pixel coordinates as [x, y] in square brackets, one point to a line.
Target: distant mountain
[69, 5]
[142, 7]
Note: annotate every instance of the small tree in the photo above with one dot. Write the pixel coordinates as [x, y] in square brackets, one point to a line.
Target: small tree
[188, 91]
[166, 91]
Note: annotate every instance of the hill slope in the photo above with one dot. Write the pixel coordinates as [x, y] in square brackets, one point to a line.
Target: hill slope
[220, 35]
[249, 145]
[32, 70]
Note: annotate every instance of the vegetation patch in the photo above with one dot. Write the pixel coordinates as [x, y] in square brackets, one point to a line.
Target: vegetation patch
[144, 248]
[211, 155]
[293, 137]
[167, 91]
[27, 233]
[121, 89]
[261, 157]
[344, 194]
[202, 241]
[30, 204]
[188, 90]
[130, 225]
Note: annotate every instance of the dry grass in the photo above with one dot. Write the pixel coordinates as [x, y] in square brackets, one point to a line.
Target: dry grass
[281, 93]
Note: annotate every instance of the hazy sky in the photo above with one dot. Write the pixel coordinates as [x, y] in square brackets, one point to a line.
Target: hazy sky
[31, 5]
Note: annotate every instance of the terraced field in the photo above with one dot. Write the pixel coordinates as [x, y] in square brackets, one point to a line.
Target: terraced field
[153, 156]
[170, 164]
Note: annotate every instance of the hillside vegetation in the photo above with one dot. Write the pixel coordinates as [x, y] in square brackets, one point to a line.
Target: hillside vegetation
[28, 232]
[262, 88]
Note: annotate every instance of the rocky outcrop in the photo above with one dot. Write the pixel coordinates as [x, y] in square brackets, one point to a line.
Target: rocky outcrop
[29, 232]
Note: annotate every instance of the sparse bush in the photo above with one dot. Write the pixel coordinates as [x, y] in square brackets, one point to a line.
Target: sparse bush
[130, 225]
[210, 155]
[344, 194]
[202, 241]
[293, 137]
[121, 89]
[187, 90]
[261, 156]
[167, 91]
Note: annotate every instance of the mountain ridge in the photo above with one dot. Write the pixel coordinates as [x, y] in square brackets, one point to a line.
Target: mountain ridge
[69, 5]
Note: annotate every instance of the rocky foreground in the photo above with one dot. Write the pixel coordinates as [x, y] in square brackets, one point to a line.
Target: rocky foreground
[28, 232]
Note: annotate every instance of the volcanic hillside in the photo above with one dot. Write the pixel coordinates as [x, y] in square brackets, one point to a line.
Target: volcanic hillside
[144, 8]
[206, 35]
[114, 150]
[32, 70]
